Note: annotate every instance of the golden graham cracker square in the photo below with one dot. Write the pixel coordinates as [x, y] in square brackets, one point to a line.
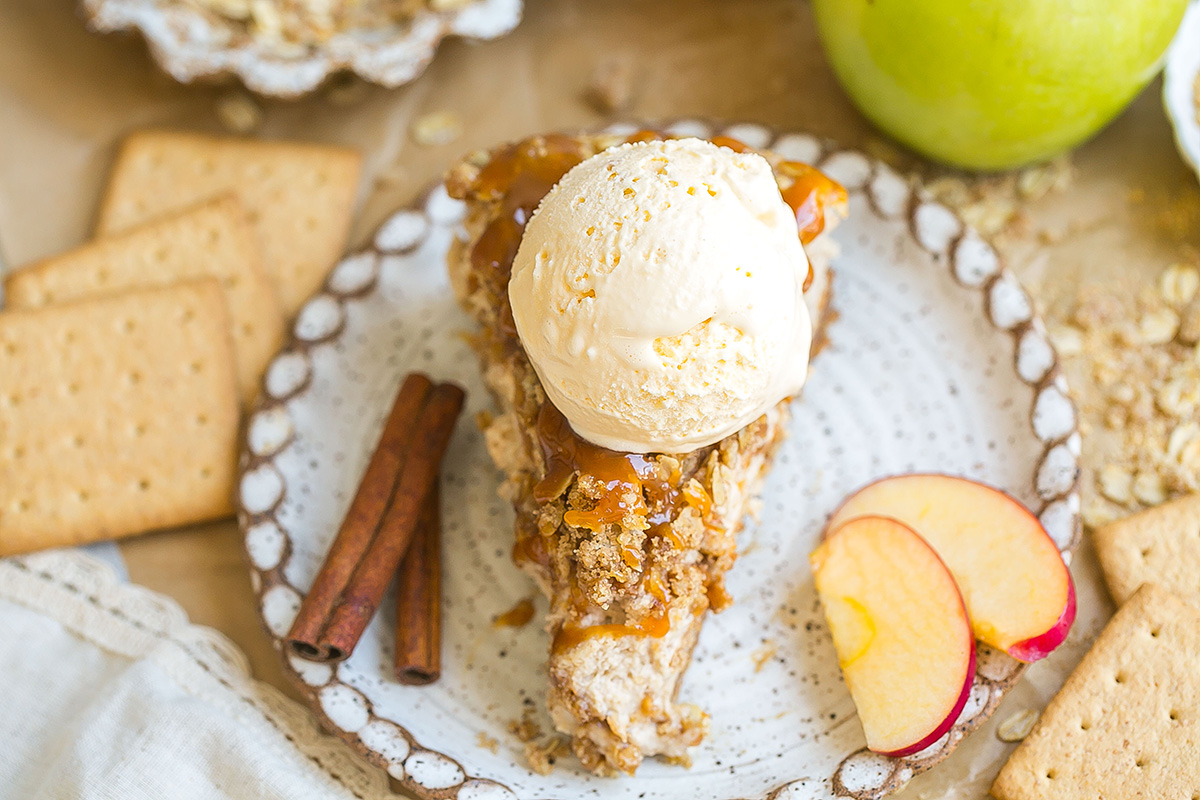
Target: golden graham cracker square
[1127, 721]
[1159, 545]
[118, 415]
[298, 197]
[212, 239]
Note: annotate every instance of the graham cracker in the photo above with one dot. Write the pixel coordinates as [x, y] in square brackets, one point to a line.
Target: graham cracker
[209, 240]
[1159, 545]
[298, 197]
[1127, 722]
[118, 415]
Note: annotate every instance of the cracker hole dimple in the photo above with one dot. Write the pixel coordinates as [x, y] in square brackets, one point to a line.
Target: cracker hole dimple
[1141, 762]
[160, 255]
[196, 367]
[188, 315]
[311, 224]
[205, 473]
[208, 166]
[21, 506]
[247, 329]
[135, 378]
[1084, 725]
[252, 217]
[1050, 774]
[1173, 716]
[1119, 677]
[72, 388]
[139, 430]
[129, 326]
[320, 179]
[102, 275]
[1145, 552]
[201, 420]
[10, 349]
[82, 496]
[77, 441]
[214, 235]
[1154, 632]
[17, 452]
[143, 485]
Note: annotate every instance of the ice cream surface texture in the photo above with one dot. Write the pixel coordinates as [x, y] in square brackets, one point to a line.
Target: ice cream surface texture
[658, 292]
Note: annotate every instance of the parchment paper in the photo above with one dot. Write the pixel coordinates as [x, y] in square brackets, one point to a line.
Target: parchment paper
[67, 97]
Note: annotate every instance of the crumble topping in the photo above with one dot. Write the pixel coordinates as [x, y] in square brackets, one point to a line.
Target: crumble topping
[630, 549]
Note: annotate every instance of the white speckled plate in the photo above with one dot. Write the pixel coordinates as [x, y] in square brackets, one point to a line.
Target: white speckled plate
[1179, 86]
[189, 43]
[936, 362]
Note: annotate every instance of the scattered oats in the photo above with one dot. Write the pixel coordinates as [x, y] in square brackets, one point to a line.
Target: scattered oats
[1035, 183]
[764, 654]
[1178, 397]
[1158, 327]
[1067, 340]
[290, 27]
[239, 113]
[542, 755]
[233, 9]
[1182, 439]
[526, 728]
[1178, 284]
[1149, 489]
[1189, 324]
[436, 128]
[1116, 483]
[1098, 513]
[1018, 726]
[610, 90]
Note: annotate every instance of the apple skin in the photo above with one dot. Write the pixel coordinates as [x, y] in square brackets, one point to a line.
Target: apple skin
[896, 580]
[1039, 647]
[947, 723]
[1028, 650]
[992, 85]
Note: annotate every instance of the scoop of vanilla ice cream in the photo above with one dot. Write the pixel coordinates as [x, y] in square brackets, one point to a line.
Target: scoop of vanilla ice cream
[658, 292]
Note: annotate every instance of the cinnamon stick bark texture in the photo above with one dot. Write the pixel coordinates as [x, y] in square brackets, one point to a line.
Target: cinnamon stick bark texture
[418, 601]
[359, 530]
[373, 573]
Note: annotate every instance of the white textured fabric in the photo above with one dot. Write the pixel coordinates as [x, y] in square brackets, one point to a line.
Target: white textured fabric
[109, 692]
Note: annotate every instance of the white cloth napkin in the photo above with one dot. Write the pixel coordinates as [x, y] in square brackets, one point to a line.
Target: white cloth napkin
[108, 692]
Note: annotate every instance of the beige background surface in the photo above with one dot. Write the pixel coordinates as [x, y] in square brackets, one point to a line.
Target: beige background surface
[66, 98]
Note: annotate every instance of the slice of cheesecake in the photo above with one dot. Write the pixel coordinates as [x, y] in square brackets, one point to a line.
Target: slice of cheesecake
[631, 549]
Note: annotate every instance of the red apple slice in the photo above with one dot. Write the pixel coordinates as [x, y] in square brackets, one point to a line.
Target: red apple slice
[900, 629]
[1018, 590]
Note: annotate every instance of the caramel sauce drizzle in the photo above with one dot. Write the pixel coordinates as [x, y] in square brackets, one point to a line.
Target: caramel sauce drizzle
[516, 617]
[519, 176]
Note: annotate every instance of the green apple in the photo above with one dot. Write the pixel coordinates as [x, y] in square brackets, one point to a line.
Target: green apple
[992, 84]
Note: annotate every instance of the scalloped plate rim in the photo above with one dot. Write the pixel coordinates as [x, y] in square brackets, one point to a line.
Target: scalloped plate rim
[1050, 381]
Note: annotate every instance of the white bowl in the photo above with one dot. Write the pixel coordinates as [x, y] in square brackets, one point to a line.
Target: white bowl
[1179, 86]
[190, 44]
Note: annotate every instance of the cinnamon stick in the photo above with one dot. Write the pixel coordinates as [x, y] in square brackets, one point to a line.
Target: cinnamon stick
[418, 476]
[362, 519]
[418, 601]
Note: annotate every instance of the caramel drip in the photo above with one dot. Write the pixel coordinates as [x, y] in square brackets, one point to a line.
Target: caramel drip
[519, 176]
[809, 195]
[632, 482]
[516, 617]
[655, 625]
